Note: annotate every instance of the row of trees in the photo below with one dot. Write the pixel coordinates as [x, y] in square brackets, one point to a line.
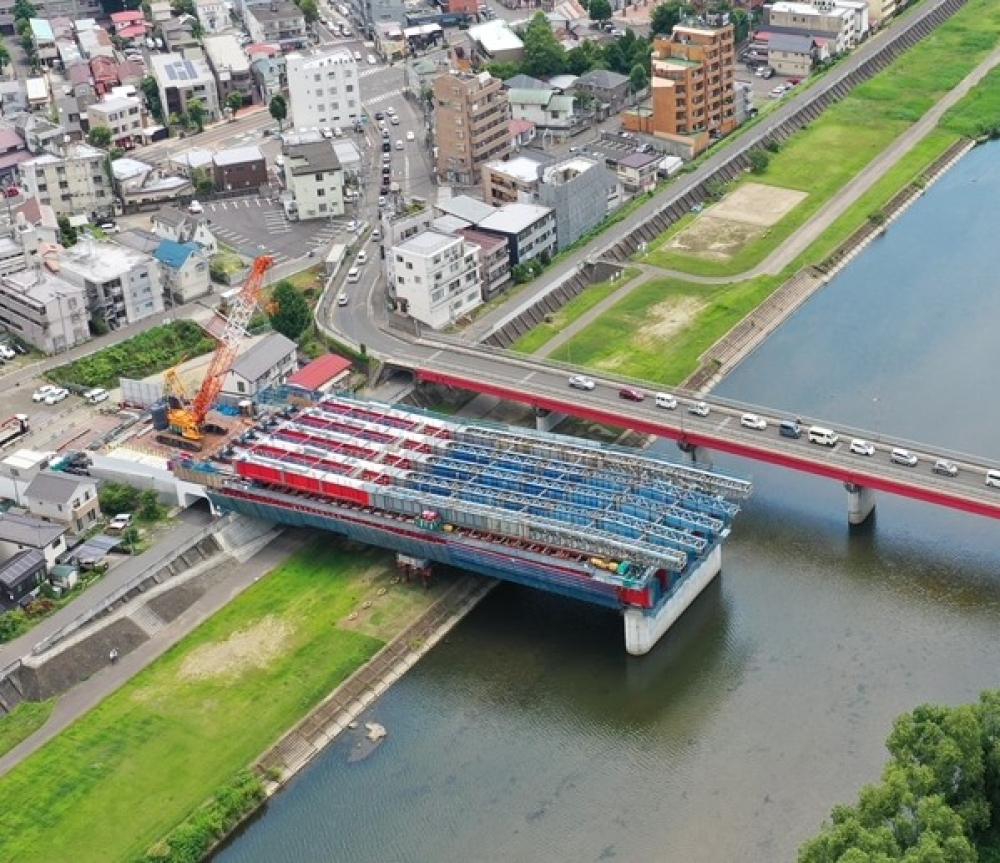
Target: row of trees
[939, 798]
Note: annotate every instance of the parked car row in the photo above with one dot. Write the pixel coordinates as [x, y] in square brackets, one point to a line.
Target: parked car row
[791, 429]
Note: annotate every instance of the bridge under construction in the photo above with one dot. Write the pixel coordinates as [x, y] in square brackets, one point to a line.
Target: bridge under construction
[608, 525]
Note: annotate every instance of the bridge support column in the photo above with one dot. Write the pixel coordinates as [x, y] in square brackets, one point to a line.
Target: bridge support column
[546, 420]
[694, 453]
[644, 628]
[860, 502]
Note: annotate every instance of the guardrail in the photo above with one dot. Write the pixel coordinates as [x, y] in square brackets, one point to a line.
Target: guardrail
[112, 599]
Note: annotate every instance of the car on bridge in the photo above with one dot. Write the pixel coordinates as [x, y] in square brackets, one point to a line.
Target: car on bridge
[666, 401]
[945, 468]
[582, 382]
[752, 421]
[862, 447]
[699, 409]
[631, 394]
[903, 457]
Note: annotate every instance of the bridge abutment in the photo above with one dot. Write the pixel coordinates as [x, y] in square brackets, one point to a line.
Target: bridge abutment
[860, 503]
[643, 629]
[546, 420]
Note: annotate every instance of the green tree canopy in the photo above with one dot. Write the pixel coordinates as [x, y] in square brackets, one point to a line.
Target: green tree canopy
[503, 71]
[587, 55]
[666, 16]
[196, 113]
[117, 498]
[600, 10]
[234, 101]
[23, 10]
[152, 94]
[278, 108]
[638, 78]
[100, 136]
[67, 233]
[4, 55]
[149, 507]
[309, 10]
[543, 55]
[290, 313]
[620, 55]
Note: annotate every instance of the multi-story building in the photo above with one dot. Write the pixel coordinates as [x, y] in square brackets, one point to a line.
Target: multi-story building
[75, 10]
[530, 231]
[368, 13]
[212, 14]
[494, 261]
[637, 172]
[64, 498]
[279, 22]
[122, 115]
[183, 271]
[472, 118]
[842, 24]
[72, 182]
[324, 88]
[231, 67]
[239, 168]
[44, 310]
[577, 191]
[180, 79]
[508, 180]
[609, 90]
[692, 86]
[434, 278]
[546, 108]
[314, 181]
[122, 285]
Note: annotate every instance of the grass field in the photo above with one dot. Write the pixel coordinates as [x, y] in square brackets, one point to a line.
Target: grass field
[123, 775]
[23, 721]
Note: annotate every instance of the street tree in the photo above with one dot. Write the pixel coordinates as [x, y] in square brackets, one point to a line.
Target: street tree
[67, 233]
[151, 92]
[309, 10]
[543, 55]
[23, 10]
[289, 311]
[196, 113]
[278, 108]
[234, 101]
[638, 78]
[600, 10]
[100, 136]
[4, 55]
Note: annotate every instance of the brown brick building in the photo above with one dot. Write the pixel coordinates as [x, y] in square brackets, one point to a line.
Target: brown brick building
[239, 168]
[472, 118]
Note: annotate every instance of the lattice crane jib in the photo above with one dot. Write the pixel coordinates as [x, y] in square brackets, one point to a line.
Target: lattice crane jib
[241, 311]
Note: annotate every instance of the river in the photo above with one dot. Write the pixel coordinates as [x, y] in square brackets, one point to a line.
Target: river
[530, 735]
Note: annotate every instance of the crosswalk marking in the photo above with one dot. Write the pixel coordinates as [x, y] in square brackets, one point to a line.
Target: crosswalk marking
[381, 97]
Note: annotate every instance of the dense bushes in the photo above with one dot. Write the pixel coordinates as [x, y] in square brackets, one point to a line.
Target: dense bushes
[191, 840]
[939, 799]
[145, 354]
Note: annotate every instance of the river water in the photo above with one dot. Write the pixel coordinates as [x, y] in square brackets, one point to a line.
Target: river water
[530, 735]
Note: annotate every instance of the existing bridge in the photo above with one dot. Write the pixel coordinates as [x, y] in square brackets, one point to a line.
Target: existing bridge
[544, 386]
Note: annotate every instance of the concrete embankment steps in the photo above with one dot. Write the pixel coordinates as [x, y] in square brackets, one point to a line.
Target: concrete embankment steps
[243, 537]
[146, 619]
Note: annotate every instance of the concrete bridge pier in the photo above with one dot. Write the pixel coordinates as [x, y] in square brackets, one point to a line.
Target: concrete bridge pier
[860, 503]
[645, 627]
[694, 453]
[546, 420]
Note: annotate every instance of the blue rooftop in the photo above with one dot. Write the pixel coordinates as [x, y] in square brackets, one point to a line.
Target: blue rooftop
[174, 255]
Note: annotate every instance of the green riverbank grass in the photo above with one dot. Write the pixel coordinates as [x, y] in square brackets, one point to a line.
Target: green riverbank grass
[572, 311]
[123, 775]
[23, 721]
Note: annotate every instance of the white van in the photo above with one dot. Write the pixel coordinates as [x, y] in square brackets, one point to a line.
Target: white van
[665, 401]
[354, 275]
[825, 437]
[96, 396]
[993, 478]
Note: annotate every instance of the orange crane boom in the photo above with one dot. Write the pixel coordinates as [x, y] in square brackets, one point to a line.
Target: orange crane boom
[188, 420]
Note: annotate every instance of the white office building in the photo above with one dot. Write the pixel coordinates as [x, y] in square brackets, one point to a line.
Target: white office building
[435, 278]
[314, 181]
[72, 182]
[324, 89]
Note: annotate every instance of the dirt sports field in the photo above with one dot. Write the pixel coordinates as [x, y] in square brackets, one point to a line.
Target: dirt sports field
[742, 216]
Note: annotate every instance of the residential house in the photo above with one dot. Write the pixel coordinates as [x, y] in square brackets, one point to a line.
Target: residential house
[228, 61]
[323, 88]
[475, 111]
[494, 261]
[44, 310]
[184, 271]
[122, 115]
[12, 153]
[81, 81]
[65, 499]
[508, 180]
[41, 217]
[21, 576]
[67, 112]
[13, 97]
[129, 25]
[522, 133]
[434, 278]
[139, 184]
[314, 181]
[323, 375]
[44, 41]
[178, 34]
[269, 363]
[40, 134]
[171, 223]
[191, 161]
[239, 168]
[269, 77]
[530, 231]
[609, 90]
[94, 41]
[104, 73]
[553, 114]
[38, 94]
[280, 22]
[637, 172]
[72, 181]
[789, 54]
[25, 532]
[161, 11]
[577, 190]
[180, 80]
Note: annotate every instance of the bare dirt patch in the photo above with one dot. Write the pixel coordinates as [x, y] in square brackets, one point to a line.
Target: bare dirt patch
[666, 318]
[714, 239]
[757, 204]
[254, 647]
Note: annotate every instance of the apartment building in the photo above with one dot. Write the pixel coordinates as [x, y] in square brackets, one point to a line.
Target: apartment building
[324, 89]
[843, 24]
[231, 67]
[314, 181]
[494, 262]
[122, 285]
[692, 85]
[122, 115]
[180, 79]
[239, 168]
[44, 310]
[472, 118]
[506, 181]
[368, 13]
[212, 14]
[72, 181]
[434, 278]
[279, 22]
[530, 231]
[577, 190]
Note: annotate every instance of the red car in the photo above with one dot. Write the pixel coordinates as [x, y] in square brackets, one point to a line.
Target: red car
[12, 191]
[631, 394]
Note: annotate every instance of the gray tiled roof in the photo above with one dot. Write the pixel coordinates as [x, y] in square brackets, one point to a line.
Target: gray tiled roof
[29, 531]
[21, 564]
[254, 364]
[52, 487]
